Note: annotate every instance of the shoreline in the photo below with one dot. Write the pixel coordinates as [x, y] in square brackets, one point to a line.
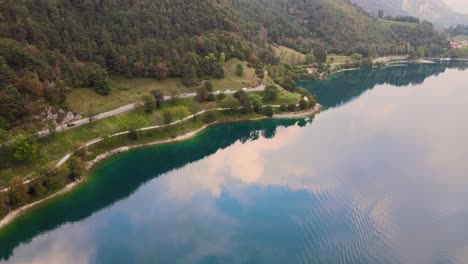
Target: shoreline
[11, 216]
[194, 133]
[393, 60]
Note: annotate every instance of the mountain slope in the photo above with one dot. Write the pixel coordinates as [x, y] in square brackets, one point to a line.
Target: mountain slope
[432, 10]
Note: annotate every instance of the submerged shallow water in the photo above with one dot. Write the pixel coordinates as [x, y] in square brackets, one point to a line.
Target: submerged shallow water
[380, 177]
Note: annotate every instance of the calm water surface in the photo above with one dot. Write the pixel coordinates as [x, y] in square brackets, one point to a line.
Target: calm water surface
[380, 177]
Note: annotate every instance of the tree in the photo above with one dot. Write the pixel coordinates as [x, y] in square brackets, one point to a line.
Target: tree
[310, 58]
[18, 192]
[25, 147]
[231, 103]
[99, 79]
[76, 168]
[202, 94]
[133, 135]
[161, 71]
[218, 71]
[289, 84]
[381, 13]
[271, 93]
[244, 100]
[292, 107]
[268, 111]
[420, 52]
[320, 55]
[92, 113]
[149, 103]
[189, 77]
[303, 104]
[256, 104]
[239, 70]
[167, 117]
[356, 57]
[222, 57]
[159, 97]
[208, 86]
[4, 201]
[37, 188]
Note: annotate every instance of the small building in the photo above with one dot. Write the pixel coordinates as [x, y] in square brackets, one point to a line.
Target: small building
[311, 70]
[459, 44]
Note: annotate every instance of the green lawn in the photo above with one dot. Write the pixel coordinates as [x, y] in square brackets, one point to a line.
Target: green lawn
[460, 38]
[338, 58]
[289, 56]
[123, 92]
[127, 91]
[233, 82]
[389, 23]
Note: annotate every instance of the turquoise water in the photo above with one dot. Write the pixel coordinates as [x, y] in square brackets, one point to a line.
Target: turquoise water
[380, 177]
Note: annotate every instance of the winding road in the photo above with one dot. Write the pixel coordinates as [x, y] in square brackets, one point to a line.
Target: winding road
[129, 107]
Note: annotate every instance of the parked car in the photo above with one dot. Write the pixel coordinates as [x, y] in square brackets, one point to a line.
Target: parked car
[71, 124]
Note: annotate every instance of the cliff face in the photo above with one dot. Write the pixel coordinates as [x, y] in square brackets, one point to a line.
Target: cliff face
[433, 10]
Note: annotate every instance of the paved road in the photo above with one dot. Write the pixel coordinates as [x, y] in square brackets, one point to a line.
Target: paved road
[129, 107]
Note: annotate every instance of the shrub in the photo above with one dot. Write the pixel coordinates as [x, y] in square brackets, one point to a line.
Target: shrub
[268, 111]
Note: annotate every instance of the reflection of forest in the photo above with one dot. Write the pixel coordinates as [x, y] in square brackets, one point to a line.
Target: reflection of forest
[135, 168]
[344, 86]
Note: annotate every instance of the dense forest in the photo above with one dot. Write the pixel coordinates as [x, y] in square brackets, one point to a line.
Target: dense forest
[48, 47]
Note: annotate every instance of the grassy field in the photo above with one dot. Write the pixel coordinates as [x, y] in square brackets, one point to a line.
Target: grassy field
[127, 91]
[233, 82]
[123, 92]
[460, 38]
[389, 23]
[338, 58]
[289, 56]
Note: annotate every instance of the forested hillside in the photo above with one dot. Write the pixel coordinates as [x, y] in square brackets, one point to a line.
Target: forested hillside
[48, 47]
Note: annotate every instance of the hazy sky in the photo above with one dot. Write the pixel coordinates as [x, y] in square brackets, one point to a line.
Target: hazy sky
[458, 5]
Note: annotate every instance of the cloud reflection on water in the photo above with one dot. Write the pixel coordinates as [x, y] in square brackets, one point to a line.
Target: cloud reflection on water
[385, 173]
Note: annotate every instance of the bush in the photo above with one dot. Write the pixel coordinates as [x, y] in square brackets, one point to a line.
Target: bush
[283, 108]
[133, 135]
[221, 96]
[268, 111]
[303, 104]
[209, 117]
[292, 107]
[211, 97]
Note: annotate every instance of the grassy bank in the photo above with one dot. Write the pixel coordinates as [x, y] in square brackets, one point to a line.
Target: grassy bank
[54, 147]
[127, 91]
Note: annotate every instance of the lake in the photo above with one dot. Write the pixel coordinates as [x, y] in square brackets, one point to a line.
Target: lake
[381, 176]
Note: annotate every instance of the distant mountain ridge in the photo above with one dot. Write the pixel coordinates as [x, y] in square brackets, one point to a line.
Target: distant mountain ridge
[435, 11]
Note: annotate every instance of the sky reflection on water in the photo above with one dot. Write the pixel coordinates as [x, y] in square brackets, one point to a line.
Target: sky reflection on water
[381, 179]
